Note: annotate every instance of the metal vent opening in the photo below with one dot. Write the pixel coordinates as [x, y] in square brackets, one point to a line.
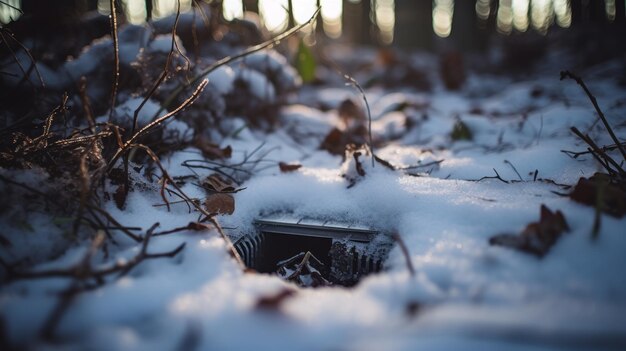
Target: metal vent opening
[338, 253]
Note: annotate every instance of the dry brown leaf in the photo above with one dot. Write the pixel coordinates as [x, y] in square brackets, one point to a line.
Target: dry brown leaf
[220, 203]
[288, 167]
[350, 112]
[120, 196]
[599, 190]
[217, 183]
[273, 302]
[538, 237]
[212, 151]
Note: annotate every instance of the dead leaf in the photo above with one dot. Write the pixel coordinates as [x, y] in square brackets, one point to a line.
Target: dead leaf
[412, 308]
[336, 140]
[220, 203]
[120, 196]
[287, 167]
[350, 113]
[538, 237]
[612, 197]
[274, 301]
[217, 183]
[212, 151]
[452, 70]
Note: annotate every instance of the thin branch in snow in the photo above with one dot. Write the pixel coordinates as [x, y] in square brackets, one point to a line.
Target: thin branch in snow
[514, 170]
[148, 128]
[405, 252]
[568, 74]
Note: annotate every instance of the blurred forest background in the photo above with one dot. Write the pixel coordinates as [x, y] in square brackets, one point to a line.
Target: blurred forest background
[421, 24]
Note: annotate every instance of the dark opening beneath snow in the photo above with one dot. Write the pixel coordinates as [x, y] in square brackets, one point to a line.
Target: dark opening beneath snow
[313, 252]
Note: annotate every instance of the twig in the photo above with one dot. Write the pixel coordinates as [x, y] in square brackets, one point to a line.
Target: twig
[597, 153]
[114, 221]
[576, 154]
[497, 176]
[356, 84]
[568, 74]
[231, 248]
[405, 252]
[82, 271]
[116, 57]
[163, 75]
[514, 169]
[155, 123]
[30, 57]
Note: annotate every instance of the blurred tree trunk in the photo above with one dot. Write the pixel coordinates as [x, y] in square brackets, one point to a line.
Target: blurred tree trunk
[251, 6]
[597, 11]
[319, 23]
[149, 8]
[367, 26]
[620, 11]
[577, 12]
[351, 19]
[465, 31]
[414, 24]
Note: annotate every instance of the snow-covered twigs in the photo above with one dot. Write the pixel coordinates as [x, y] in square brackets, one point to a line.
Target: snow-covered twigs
[229, 59]
[208, 216]
[164, 73]
[148, 128]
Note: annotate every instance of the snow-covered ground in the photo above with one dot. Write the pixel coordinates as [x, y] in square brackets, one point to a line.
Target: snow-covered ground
[465, 294]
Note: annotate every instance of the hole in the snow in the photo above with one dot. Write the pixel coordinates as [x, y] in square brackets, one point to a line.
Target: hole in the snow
[312, 252]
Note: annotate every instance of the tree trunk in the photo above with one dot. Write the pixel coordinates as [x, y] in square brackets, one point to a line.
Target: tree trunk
[251, 6]
[149, 8]
[465, 32]
[620, 11]
[414, 24]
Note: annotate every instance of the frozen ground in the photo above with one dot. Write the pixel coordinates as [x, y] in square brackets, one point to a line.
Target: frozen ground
[465, 294]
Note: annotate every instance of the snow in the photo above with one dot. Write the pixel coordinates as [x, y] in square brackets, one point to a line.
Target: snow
[471, 295]
[125, 113]
[222, 79]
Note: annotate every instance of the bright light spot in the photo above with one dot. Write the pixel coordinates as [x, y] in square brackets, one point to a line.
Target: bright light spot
[385, 19]
[541, 15]
[609, 6]
[563, 13]
[303, 10]
[442, 17]
[135, 11]
[331, 16]
[274, 14]
[232, 9]
[505, 17]
[8, 14]
[164, 8]
[483, 9]
[520, 14]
